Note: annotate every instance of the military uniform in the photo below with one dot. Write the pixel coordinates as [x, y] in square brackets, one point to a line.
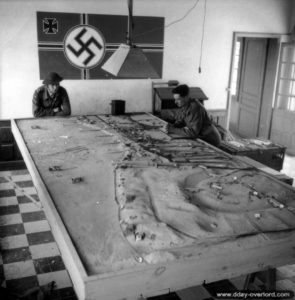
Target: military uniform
[44, 104]
[192, 121]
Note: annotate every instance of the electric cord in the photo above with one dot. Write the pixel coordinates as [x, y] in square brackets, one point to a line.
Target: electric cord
[202, 39]
[172, 23]
[181, 19]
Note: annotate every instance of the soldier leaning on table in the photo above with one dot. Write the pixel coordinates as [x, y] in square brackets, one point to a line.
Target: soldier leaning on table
[51, 99]
[191, 120]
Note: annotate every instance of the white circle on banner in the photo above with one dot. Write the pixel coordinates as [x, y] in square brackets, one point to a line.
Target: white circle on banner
[84, 46]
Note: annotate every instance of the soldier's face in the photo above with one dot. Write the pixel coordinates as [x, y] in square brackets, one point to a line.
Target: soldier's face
[52, 88]
[180, 101]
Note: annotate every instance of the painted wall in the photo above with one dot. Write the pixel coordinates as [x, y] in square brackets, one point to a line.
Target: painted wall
[292, 19]
[19, 70]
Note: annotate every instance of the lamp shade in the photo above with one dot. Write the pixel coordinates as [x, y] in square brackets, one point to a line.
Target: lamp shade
[129, 61]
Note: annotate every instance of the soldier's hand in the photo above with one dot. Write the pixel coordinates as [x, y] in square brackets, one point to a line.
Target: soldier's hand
[56, 109]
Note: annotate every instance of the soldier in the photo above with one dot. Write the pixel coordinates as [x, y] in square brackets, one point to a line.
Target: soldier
[192, 119]
[51, 99]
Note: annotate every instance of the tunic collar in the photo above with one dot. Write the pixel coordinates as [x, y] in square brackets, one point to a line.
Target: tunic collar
[47, 95]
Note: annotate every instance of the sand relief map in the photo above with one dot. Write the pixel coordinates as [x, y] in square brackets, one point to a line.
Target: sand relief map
[162, 208]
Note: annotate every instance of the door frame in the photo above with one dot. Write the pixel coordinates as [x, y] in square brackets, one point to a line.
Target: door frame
[236, 35]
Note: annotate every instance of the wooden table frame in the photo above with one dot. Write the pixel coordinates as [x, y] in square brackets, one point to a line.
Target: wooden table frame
[207, 264]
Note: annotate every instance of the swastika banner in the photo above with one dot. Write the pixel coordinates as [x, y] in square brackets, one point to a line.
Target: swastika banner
[77, 45]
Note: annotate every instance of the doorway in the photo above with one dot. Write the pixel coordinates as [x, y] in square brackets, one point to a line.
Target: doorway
[252, 85]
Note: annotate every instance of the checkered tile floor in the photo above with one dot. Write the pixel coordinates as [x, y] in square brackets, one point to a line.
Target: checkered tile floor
[29, 256]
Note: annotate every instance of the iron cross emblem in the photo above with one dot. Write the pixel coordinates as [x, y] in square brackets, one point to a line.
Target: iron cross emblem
[50, 25]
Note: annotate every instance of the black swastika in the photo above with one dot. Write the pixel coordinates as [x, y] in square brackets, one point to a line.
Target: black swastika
[84, 46]
[50, 25]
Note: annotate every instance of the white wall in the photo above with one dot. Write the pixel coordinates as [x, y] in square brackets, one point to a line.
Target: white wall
[19, 68]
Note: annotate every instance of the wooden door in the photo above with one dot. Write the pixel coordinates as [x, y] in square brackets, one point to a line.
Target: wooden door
[251, 86]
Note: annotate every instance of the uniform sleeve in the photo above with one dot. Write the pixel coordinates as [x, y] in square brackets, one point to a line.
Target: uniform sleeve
[194, 121]
[38, 109]
[189, 122]
[65, 105]
[179, 119]
[169, 116]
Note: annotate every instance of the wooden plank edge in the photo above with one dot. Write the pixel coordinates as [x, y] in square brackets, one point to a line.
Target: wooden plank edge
[69, 254]
[156, 279]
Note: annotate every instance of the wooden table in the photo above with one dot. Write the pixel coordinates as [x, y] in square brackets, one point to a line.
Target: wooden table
[74, 163]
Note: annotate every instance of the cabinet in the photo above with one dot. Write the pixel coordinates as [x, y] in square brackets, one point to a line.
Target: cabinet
[10, 156]
[263, 151]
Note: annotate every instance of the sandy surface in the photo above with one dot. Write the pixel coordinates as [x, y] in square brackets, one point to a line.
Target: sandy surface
[123, 217]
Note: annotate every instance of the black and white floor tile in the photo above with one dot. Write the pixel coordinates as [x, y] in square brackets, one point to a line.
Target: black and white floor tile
[29, 256]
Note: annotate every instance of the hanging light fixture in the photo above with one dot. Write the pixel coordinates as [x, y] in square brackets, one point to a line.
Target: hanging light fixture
[129, 61]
